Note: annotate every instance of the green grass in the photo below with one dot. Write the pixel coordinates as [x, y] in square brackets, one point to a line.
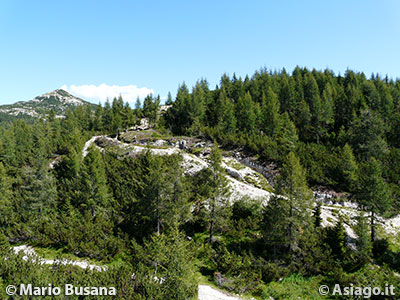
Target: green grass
[260, 182]
[236, 165]
[294, 287]
[196, 151]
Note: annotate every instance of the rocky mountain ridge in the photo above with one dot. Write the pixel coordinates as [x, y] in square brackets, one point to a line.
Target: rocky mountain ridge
[58, 101]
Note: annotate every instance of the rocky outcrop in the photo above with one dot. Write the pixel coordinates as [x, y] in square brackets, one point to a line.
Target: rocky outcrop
[144, 125]
[245, 175]
[29, 254]
[234, 173]
[268, 170]
[182, 144]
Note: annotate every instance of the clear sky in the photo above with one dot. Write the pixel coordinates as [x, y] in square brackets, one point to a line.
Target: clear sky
[97, 48]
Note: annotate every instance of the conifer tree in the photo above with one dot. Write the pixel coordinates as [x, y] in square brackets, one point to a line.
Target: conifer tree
[6, 198]
[311, 94]
[371, 95]
[138, 108]
[387, 104]
[197, 108]
[344, 110]
[151, 105]
[37, 191]
[374, 194]
[324, 117]
[4, 245]
[317, 215]
[165, 266]
[271, 117]
[303, 120]
[367, 135]
[287, 94]
[23, 139]
[129, 117]
[116, 109]
[178, 115]
[161, 195]
[246, 118]
[349, 168]
[7, 146]
[169, 99]
[107, 117]
[94, 196]
[288, 214]
[363, 242]
[337, 239]
[216, 108]
[287, 137]
[98, 118]
[216, 192]
[225, 113]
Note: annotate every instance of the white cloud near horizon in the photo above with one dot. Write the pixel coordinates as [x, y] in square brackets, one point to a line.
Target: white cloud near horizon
[103, 91]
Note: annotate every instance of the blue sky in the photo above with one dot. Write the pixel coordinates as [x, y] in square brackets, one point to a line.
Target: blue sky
[100, 47]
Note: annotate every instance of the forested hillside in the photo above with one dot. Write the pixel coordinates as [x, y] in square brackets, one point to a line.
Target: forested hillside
[161, 222]
[314, 114]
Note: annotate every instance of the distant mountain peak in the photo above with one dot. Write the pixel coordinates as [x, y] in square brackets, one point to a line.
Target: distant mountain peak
[59, 92]
[58, 100]
[62, 96]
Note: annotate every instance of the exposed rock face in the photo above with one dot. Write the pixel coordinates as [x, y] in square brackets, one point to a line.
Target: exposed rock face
[234, 173]
[159, 143]
[182, 144]
[268, 170]
[163, 109]
[144, 125]
[243, 182]
[29, 254]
